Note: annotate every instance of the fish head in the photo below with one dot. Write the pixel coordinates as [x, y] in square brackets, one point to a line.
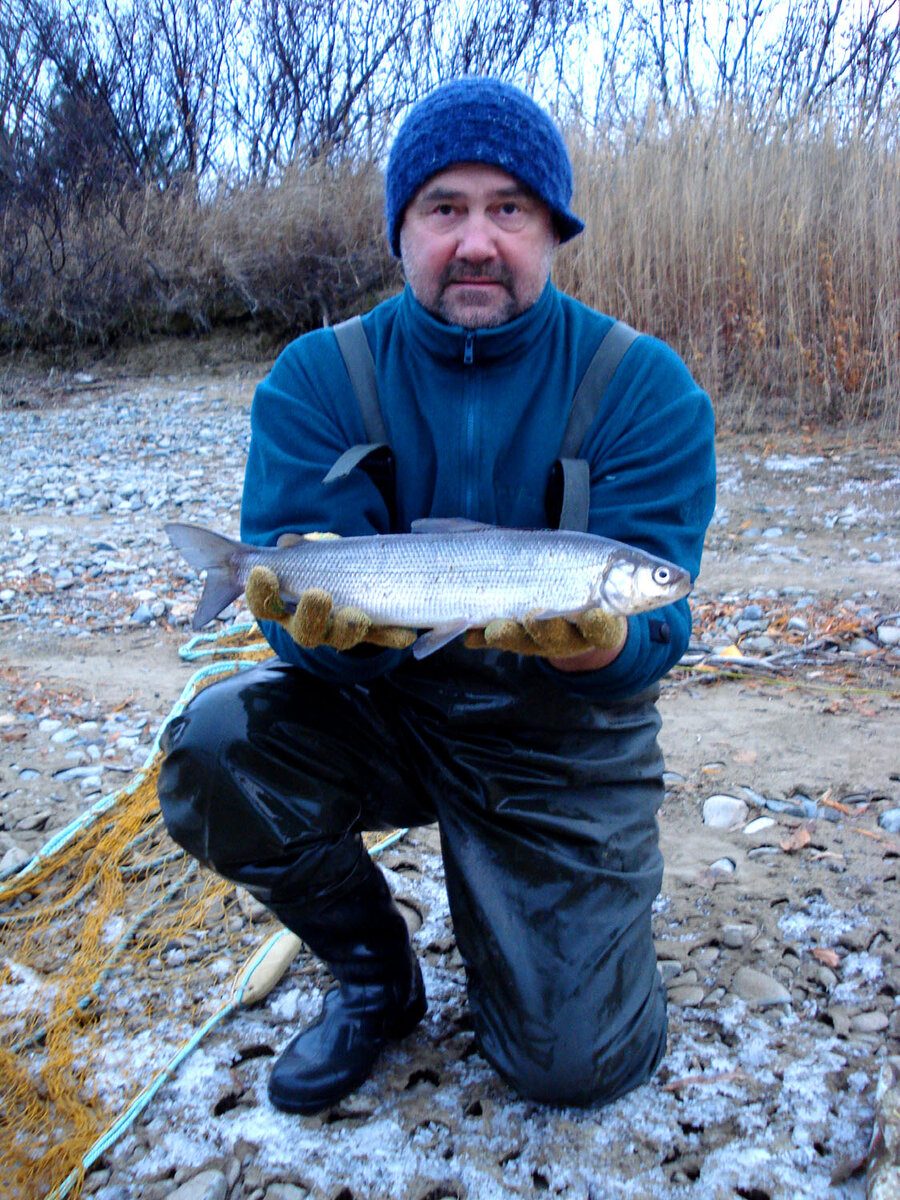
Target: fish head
[638, 583]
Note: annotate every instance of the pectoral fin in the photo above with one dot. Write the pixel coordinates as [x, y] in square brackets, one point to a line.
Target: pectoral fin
[437, 638]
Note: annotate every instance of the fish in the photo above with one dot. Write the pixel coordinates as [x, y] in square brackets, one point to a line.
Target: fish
[446, 576]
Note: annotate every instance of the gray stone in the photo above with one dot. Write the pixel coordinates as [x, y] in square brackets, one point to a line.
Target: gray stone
[753, 612]
[863, 645]
[724, 812]
[686, 995]
[35, 820]
[890, 820]
[12, 860]
[746, 626]
[706, 956]
[760, 825]
[208, 1185]
[285, 1191]
[889, 635]
[826, 977]
[738, 935]
[869, 1022]
[761, 644]
[723, 866]
[669, 969]
[759, 990]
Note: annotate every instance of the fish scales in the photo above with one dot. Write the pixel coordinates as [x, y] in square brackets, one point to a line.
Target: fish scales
[444, 577]
[422, 580]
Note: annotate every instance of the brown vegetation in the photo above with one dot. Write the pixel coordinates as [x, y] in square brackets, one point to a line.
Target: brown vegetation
[172, 168]
[769, 257]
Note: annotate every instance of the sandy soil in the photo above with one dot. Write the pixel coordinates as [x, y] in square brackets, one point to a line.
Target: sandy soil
[810, 903]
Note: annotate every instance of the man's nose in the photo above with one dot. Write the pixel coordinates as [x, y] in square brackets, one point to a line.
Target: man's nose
[477, 241]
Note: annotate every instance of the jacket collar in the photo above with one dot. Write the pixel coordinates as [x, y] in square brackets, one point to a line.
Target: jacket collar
[453, 343]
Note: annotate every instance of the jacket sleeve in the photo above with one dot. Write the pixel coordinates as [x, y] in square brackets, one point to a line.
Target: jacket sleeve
[304, 416]
[652, 460]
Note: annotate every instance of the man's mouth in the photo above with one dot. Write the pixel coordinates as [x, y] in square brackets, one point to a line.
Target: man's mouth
[477, 281]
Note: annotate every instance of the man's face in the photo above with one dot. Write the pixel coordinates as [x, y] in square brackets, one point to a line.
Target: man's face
[476, 246]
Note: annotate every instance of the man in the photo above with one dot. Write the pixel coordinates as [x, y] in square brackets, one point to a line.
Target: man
[533, 746]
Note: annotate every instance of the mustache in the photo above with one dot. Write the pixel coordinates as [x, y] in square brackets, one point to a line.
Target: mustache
[459, 272]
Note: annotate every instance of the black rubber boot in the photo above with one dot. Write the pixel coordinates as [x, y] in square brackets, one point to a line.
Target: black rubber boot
[380, 996]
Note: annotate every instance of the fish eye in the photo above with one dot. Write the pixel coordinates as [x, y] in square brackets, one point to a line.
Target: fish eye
[662, 576]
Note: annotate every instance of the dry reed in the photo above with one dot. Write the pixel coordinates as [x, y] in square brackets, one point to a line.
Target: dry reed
[769, 257]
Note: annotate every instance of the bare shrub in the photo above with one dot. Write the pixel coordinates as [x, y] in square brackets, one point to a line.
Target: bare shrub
[290, 256]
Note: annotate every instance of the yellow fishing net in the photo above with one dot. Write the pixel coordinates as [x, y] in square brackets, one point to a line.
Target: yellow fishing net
[114, 943]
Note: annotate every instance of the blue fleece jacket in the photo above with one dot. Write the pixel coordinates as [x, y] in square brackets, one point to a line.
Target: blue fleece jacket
[475, 421]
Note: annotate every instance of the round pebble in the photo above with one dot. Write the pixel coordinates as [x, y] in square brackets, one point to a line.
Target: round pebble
[686, 996]
[869, 1022]
[890, 820]
[724, 866]
[738, 935]
[759, 990]
[208, 1185]
[724, 812]
[863, 645]
[285, 1191]
[760, 825]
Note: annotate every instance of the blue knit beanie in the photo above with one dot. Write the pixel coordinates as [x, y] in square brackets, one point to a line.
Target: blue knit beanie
[474, 119]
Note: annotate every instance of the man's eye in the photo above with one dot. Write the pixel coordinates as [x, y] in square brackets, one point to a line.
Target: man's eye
[444, 210]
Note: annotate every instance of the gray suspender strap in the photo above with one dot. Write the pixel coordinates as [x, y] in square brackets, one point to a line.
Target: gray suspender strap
[374, 456]
[594, 383]
[569, 490]
[570, 479]
[354, 347]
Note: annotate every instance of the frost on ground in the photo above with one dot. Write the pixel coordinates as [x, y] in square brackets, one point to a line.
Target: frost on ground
[747, 1104]
[762, 1098]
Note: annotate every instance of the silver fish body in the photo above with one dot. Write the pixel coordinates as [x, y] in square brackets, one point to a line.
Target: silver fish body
[445, 577]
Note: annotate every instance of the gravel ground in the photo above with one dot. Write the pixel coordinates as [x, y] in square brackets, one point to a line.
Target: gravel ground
[777, 928]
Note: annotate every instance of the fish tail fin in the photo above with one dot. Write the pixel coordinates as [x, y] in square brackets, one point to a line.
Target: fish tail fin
[213, 553]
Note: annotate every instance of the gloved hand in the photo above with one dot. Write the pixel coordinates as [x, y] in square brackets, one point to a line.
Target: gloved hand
[553, 637]
[315, 621]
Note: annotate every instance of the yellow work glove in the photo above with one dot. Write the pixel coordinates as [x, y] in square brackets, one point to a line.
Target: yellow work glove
[553, 637]
[315, 621]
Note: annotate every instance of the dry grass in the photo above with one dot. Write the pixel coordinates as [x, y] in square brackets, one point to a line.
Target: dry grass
[770, 260]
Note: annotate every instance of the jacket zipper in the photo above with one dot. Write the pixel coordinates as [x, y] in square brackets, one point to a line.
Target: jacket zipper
[470, 490]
